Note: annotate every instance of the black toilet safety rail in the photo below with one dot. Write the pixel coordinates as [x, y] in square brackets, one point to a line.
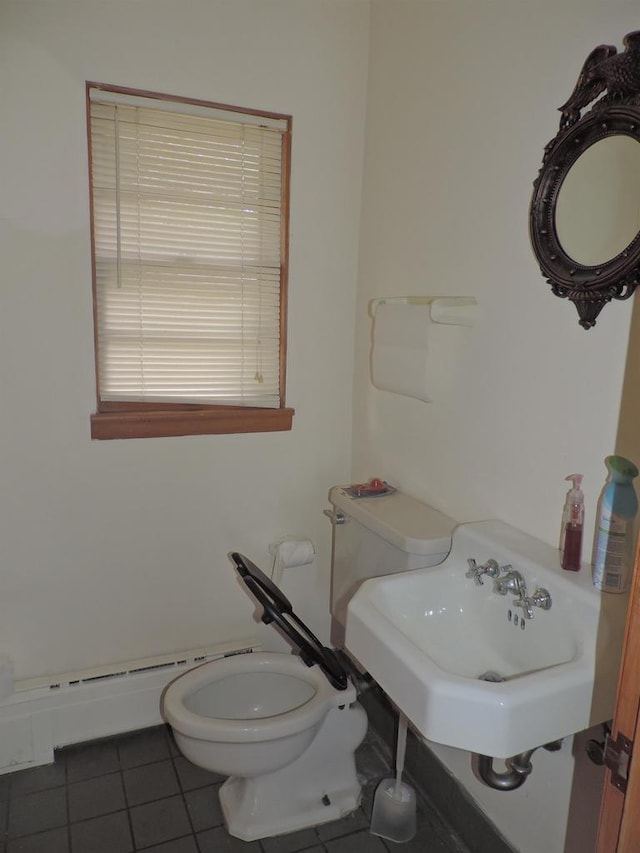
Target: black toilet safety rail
[278, 609]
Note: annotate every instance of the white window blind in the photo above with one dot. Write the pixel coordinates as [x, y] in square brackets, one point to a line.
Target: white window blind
[187, 229]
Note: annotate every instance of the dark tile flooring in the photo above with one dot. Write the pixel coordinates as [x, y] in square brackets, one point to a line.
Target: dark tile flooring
[136, 792]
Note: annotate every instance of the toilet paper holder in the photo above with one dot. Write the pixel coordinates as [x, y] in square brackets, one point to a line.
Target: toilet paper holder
[290, 553]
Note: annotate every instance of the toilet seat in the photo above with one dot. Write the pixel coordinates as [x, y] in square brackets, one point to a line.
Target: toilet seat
[306, 709]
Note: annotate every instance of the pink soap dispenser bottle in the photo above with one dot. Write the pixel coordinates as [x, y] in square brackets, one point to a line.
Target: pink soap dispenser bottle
[572, 526]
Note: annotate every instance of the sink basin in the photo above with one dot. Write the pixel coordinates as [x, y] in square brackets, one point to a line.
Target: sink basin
[465, 665]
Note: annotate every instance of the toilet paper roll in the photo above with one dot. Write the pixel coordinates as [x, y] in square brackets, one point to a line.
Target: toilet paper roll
[290, 553]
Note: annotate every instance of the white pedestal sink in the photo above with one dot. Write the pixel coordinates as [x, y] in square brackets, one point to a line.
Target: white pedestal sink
[429, 636]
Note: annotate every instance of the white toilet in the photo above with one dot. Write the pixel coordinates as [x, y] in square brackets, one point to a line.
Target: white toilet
[284, 728]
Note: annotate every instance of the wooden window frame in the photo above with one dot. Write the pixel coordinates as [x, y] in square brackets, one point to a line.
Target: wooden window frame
[120, 420]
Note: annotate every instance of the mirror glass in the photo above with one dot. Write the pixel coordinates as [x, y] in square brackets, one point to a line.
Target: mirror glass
[598, 207]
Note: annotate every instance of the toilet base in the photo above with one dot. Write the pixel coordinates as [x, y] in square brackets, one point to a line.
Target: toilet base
[320, 786]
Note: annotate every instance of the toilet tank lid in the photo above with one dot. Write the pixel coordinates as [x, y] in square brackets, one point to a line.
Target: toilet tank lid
[405, 522]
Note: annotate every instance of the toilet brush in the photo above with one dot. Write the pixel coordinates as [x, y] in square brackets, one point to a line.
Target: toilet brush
[394, 805]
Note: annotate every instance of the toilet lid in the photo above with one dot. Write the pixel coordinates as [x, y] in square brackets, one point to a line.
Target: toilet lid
[277, 608]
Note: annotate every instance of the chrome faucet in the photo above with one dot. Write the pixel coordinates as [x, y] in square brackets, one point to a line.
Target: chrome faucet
[509, 580]
[490, 568]
[512, 581]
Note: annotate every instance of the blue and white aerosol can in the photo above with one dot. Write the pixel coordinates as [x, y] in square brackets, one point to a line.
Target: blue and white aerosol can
[615, 535]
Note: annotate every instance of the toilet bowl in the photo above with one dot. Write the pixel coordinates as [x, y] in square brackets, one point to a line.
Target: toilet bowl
[282, 727]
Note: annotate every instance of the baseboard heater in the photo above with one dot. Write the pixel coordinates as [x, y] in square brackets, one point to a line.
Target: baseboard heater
[47, 712]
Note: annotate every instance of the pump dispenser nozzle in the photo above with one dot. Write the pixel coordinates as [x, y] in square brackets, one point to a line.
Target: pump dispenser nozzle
[572, 525]
[575, 492]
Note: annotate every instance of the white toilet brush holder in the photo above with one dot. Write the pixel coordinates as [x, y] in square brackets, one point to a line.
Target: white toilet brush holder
[394, 805]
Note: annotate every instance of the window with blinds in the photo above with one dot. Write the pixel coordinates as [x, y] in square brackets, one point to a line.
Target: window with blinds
[189, 207]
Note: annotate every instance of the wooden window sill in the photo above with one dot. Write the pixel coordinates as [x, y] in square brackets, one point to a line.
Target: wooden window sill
[207, 421]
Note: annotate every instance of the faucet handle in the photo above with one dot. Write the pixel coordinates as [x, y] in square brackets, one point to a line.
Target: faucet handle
[475, 571]
[492, 568]
[541, 598]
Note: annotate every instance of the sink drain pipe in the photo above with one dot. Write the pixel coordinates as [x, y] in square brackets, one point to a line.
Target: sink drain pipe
[518, 768]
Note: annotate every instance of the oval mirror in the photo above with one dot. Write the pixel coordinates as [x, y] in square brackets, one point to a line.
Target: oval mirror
[584, 218]
[598, 207]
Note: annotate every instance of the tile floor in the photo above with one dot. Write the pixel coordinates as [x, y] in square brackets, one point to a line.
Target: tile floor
[136, 792]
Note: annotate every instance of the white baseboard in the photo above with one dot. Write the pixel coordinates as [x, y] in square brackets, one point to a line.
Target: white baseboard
[45, 713]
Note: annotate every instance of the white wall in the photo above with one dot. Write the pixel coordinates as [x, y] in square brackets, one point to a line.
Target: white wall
[118, 550]
[462, 98]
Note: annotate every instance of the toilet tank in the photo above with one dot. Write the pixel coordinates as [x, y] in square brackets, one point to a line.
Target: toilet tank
[376, 536]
